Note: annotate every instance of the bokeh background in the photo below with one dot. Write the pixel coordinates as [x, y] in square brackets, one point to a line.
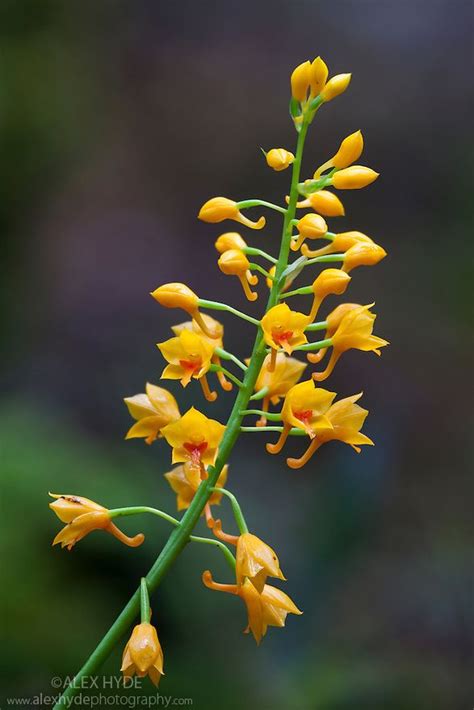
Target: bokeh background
[118, 120]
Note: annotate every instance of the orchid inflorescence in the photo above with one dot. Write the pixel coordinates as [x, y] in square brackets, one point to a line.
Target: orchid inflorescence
[293, 403]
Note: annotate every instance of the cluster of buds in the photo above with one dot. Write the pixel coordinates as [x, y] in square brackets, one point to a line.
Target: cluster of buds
[291, 406]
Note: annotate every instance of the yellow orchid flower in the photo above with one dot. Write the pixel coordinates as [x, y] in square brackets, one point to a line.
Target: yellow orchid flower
[311, 226]
[287, 372]
[330, 282]
[220, 208]
[233, 262]
[305, 407]
[185, 480]
[363, 253]
[354, 331]
[152, 411]
[333, 321]
[194, 438]
[255, 560]
[335, 86]
[212, 326]
[268, 608]
[178, 295]
[347, 419]
[143, 654]
[342, 242]
[283, 328]
[82, 516]
[189, 356]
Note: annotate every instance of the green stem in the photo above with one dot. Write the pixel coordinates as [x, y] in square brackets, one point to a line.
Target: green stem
[236, 509]
[271, 416]
[209, 541]
[293, 432]
[257, 267]
[218, 306]
[319, 325]
[315, 346]
[137, 509]
[326, 258]
[244, 204]
[253, 251]
[144, 602]
[225, 355]
[260, 394]
[181, 534]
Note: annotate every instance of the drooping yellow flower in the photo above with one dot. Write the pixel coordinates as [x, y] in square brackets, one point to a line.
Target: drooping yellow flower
[256, 561]
[233, 262]
[152, 411]
[185, 480]
[189, 356]
[143, 654]
[283, 328]
[333, 320]
[354, 331]
[363, 253]
[328, 282]
[229, 240]
[335, 86]
[311, 226]
[324, 202]
[194, 438]
[270, 608]
[178, 295]
[354, 178]
[82, 516]
[305, 407]
[348, 152]
[279, 159]
[220, 208]
[347, 419]
[287, 372]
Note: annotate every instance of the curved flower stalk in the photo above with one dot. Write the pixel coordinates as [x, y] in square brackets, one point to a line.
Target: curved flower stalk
[199, 445]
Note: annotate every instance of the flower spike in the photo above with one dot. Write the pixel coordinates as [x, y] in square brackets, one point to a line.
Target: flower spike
[220, 208]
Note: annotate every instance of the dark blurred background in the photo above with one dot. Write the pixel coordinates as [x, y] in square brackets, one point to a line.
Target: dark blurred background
[118, 120]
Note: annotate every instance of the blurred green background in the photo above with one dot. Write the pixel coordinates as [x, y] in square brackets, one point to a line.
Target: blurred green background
[118, 120]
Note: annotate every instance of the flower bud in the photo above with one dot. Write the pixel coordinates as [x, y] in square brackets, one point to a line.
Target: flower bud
[318, 75]
[311, 226]
[229, 240]
[218, 209]
[330, 282]
[363, 254]
[349, 151]
[143, 654]
[326, 203]
[279, 158]
[176, 295]
[354, 178]
[233, 262]
[300, 79]
[335, 86]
